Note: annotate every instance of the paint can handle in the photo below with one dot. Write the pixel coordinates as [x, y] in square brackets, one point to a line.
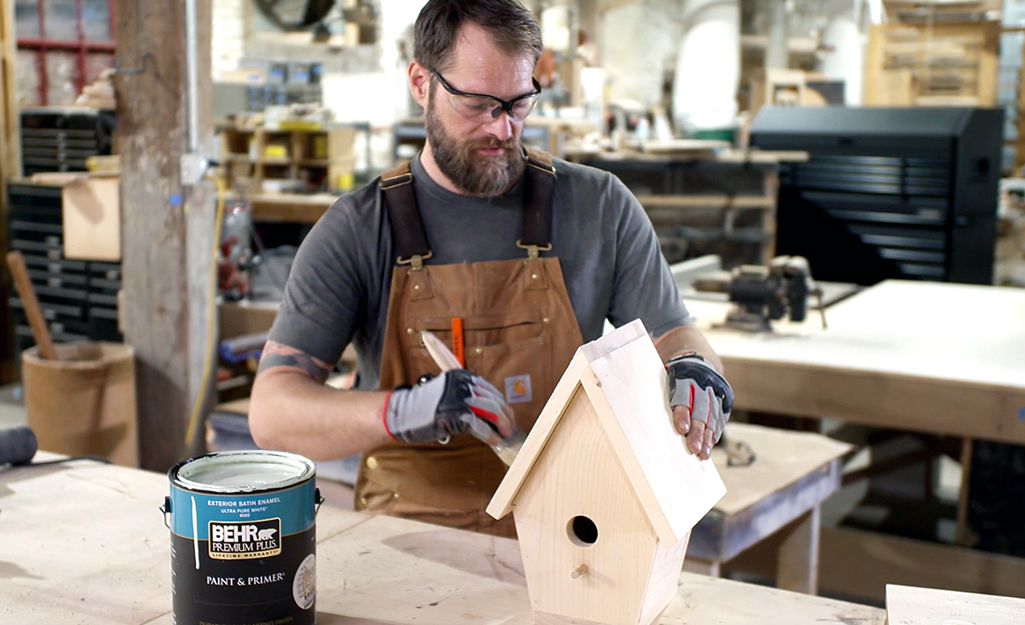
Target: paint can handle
[166, 509]
[317, 498]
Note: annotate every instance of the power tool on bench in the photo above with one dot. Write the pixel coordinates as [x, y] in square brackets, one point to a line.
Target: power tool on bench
[764, 294]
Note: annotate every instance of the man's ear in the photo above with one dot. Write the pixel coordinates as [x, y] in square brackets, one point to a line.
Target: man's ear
[419, 82]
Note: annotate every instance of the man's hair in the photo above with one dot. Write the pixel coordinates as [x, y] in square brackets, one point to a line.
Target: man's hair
[508, 22]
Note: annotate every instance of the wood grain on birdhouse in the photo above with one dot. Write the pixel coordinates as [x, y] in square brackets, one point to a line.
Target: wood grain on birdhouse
[604, 492]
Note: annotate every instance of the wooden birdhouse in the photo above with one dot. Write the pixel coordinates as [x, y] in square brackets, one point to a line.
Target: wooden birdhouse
[604, 493]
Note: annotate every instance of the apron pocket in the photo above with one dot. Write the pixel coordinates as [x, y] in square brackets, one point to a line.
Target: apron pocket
[522, 371]
[441, 479]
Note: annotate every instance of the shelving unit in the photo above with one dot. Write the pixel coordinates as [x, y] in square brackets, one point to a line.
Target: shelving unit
[61, 138]
[938, 64]
[78, 298]
[295, 159]
[704, 202]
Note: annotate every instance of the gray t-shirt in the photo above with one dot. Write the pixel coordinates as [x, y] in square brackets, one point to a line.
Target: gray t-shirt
[337, 291]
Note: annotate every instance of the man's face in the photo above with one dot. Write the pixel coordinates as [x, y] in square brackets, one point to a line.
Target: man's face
[481, 157]
[483, 166]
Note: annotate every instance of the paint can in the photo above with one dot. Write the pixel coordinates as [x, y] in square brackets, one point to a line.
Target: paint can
[243, 538]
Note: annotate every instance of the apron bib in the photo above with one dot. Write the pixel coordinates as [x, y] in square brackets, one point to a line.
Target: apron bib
[518, 332]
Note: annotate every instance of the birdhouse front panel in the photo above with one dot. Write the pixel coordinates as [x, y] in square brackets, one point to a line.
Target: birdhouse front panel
[588, 549]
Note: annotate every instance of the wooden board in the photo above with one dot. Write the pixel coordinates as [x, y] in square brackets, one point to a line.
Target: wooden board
[91, 219]
[858, 563]
[10, 167]
[589, 153]
[782, 457]
[631, 380]
[676, 146]
[288, 207]
[908, 605]
[10, 151]
[923, 356]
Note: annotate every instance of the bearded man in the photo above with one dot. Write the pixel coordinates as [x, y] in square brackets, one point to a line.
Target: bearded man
[516, 256]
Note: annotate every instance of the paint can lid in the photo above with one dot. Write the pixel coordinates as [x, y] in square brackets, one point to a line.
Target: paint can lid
[242, 471]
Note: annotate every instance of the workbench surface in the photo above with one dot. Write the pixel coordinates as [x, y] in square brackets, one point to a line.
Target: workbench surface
[85, 543]
[931, 357]
[777, 497]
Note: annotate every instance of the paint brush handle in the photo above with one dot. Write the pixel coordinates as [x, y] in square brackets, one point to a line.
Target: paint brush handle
[446, 360]
[442, 355]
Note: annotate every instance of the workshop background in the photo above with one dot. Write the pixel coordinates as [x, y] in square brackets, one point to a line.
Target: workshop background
[160, 164]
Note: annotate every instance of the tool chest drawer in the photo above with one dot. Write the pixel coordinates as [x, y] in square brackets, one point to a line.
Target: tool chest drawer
[60, 139]
[78, 298]
[906, 193]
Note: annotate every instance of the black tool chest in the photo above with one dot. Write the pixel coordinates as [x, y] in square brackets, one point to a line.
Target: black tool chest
[60, 139]
[78, 298]
[887, 192]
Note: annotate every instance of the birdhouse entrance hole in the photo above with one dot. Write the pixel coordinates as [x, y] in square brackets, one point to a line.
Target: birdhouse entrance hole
[582, 531]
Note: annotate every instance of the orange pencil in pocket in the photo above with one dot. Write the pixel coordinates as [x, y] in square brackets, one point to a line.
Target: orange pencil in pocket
[457, 340]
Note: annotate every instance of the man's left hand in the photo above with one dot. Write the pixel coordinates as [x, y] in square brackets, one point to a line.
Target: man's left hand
[701, 400]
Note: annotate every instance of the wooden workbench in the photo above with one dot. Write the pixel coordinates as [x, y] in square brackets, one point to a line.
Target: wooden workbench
[779, 495]
[85, 543]
[935, 358]
[930, 357]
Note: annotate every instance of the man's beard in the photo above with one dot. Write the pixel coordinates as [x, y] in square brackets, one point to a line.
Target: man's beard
[479, 176]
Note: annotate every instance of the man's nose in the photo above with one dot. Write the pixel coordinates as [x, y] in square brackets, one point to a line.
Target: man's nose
[501, 127]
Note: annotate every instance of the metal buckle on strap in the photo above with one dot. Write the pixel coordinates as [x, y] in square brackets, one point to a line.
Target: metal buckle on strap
[416, 260]
[396, 181]
[544, 163]
[533, 250]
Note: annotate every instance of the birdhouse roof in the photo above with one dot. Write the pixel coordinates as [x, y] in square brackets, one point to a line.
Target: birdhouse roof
[623, 378]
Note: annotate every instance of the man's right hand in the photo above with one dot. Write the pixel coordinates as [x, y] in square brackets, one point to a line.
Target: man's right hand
[454, 402]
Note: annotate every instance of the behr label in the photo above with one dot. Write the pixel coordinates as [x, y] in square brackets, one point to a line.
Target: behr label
[241, 541]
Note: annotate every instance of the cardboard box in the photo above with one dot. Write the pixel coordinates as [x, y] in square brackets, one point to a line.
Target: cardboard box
[91, 213]
[245, 317]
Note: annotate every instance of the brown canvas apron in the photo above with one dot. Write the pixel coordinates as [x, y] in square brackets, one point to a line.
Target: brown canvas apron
[519, 333]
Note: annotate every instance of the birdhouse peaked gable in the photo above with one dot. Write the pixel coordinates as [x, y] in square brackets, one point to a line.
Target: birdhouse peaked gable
[625, 381]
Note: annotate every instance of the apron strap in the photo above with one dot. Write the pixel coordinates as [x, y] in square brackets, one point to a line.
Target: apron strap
[538, 182]
[410, 238]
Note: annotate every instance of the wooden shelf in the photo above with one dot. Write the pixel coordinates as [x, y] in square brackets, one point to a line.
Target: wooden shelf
[322, 157]
[707, 201]
[700, 199]
[939, 64]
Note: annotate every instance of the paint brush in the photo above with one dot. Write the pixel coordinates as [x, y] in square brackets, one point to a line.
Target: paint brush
[507, 448]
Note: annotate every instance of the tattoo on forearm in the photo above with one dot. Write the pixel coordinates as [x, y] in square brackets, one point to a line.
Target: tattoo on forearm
[278, 355]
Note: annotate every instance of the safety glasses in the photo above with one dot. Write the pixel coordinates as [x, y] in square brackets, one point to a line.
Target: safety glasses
[483, 108]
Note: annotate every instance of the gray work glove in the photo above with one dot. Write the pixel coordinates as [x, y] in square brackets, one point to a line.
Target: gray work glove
[454, 402]
[695, 385]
